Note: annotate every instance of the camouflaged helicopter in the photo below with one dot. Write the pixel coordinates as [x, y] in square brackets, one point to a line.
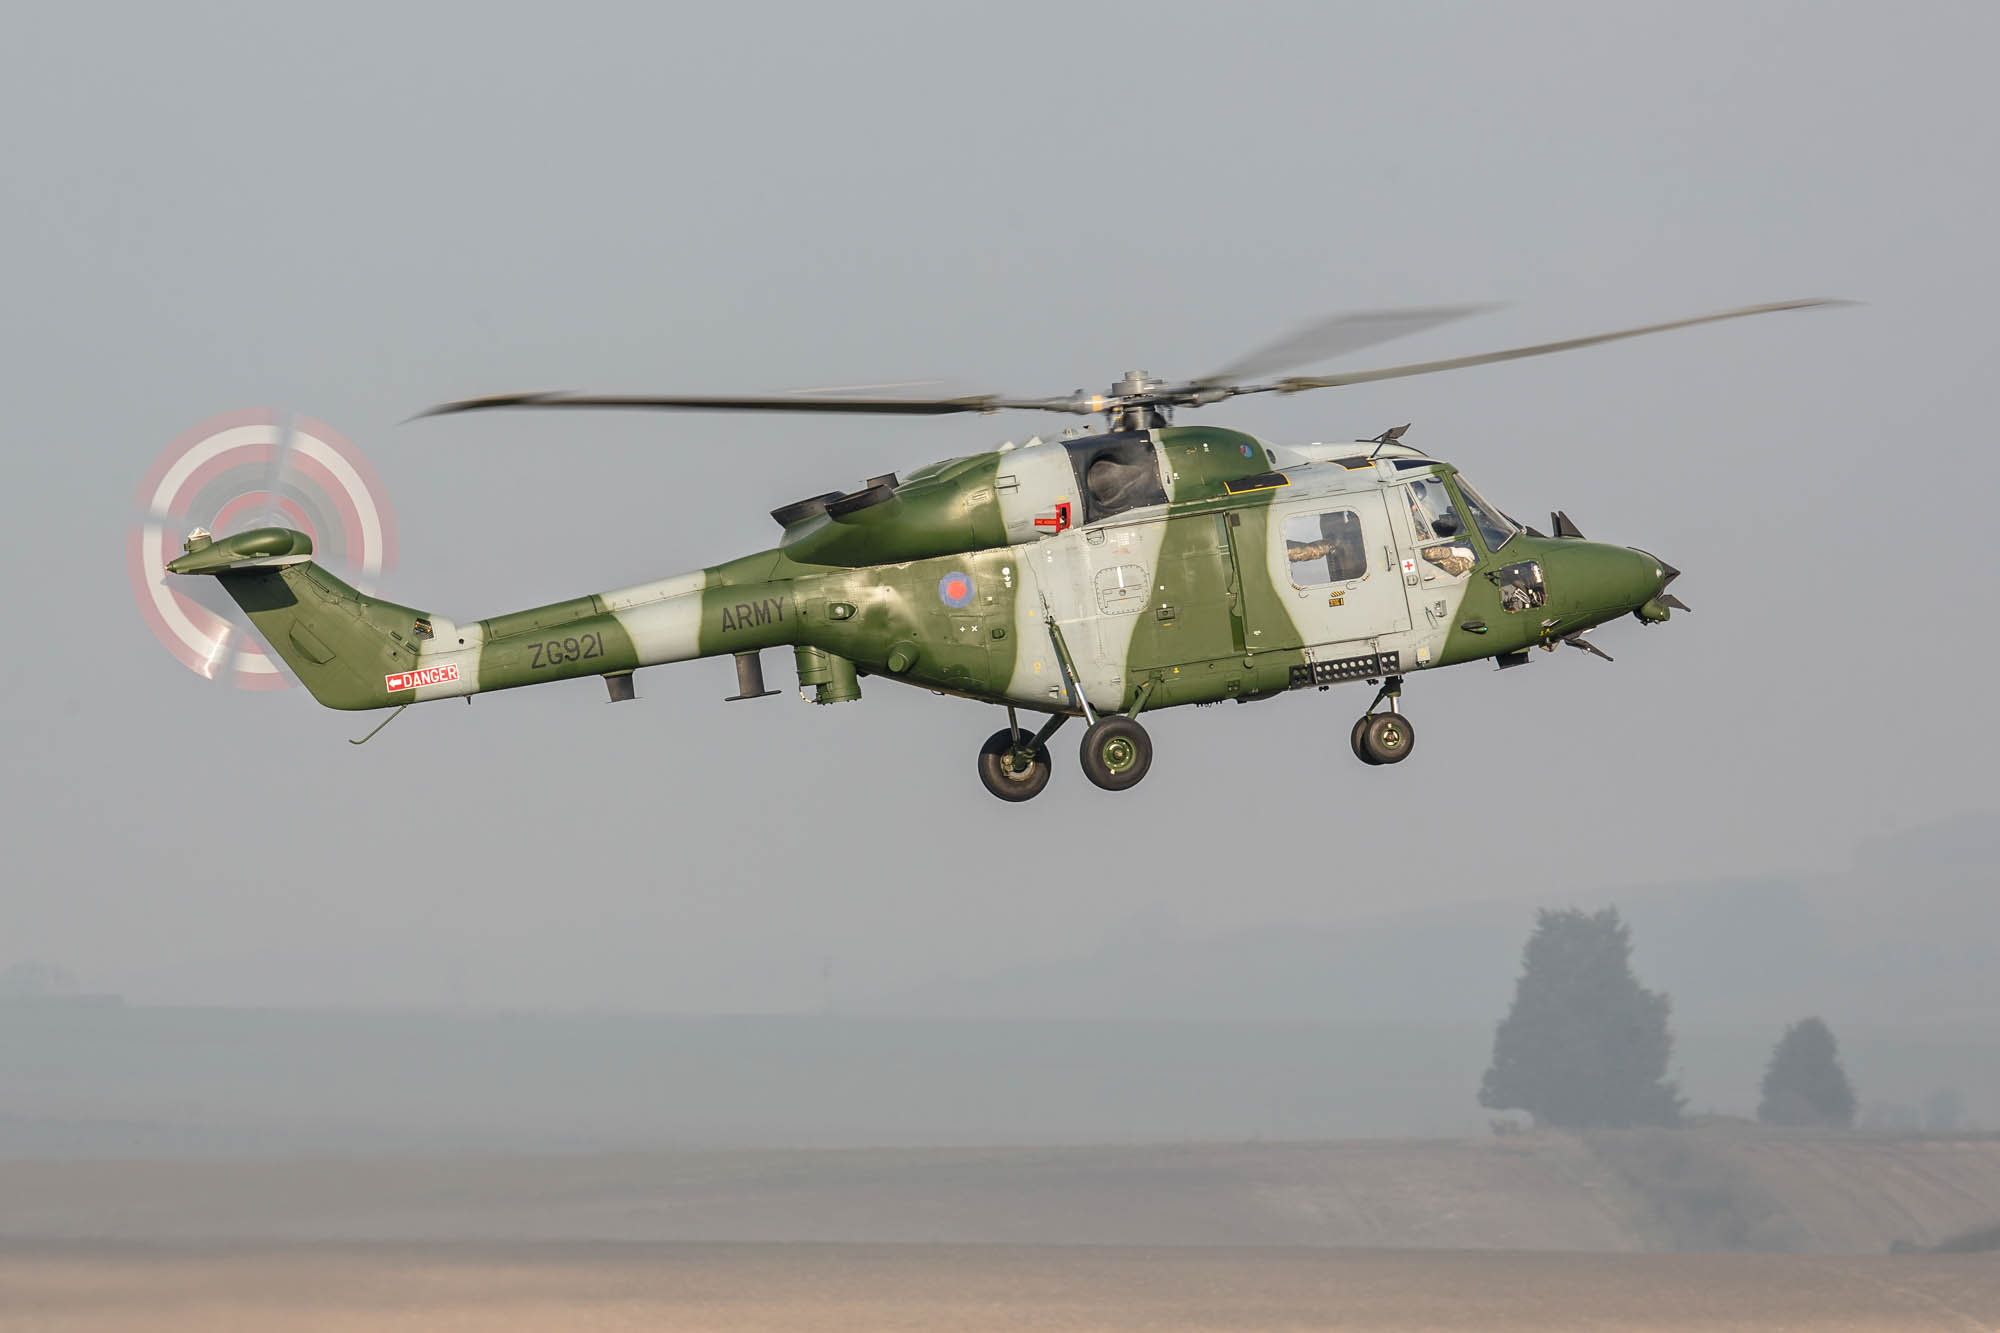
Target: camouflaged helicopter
[1099, 575]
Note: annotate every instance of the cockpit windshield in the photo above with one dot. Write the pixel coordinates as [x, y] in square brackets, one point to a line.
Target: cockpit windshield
[1493, 525]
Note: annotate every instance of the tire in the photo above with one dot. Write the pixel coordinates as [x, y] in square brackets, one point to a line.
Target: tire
[1116, 753]
[997, 772]
[1388, 738]
[1354, 739]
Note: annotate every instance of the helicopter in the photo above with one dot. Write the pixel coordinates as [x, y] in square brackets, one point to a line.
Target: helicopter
[1100, 575]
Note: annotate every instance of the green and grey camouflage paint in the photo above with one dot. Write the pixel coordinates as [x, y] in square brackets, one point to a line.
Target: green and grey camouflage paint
[951, 580]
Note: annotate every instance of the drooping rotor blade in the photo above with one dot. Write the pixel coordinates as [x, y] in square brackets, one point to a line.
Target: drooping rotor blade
[1299, 383]
[1336, 335]
[789, 402]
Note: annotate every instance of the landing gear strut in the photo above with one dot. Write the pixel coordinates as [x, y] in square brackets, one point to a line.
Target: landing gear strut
[1384, 738]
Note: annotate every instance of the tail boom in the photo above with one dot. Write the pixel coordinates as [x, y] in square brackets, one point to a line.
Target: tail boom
[354, 651]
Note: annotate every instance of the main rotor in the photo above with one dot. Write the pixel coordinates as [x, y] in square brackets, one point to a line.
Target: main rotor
[1140, 401]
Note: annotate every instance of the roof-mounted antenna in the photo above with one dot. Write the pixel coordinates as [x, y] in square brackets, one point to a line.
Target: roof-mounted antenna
[1393, 435]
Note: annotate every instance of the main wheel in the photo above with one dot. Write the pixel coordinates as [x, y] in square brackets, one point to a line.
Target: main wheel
[1388, 738]
[1354, 739]
[998, 771]
[1116, 753]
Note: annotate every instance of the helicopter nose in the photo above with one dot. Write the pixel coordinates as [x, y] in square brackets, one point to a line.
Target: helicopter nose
[1660, 603]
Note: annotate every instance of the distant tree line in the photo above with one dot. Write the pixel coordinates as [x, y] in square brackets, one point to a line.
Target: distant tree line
[1585, 1046]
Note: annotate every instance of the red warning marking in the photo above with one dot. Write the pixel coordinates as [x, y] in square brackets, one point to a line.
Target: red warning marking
[410, 680]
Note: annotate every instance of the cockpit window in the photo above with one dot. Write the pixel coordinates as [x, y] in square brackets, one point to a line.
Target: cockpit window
[1432, 512]
[1441, 538]
[1493, 525]
[1325, 548]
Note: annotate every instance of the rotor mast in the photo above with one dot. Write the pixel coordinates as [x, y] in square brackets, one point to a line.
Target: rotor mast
[1133, 406]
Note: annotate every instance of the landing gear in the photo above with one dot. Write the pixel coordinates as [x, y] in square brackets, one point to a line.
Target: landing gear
[1011, 773]
[1384, 738]
[1116, 753]
[1354, 738]
[1014, 765]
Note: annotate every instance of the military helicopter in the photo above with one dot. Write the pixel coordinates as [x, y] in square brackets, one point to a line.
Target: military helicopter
[1100, 575]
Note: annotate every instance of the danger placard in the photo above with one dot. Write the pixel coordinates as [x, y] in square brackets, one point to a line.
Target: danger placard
[410, 680]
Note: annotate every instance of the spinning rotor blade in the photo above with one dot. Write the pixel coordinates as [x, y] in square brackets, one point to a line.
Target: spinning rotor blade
[1136, 397]
[1297, 383]
[926, 407]
[1336, 335]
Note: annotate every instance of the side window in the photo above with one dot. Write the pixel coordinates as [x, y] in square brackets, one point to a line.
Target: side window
[1521, 587]
[1440, 532]
[1116, 473]
[1325, 548]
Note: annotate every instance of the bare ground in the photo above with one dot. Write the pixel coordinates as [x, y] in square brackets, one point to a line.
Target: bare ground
[109, 1289]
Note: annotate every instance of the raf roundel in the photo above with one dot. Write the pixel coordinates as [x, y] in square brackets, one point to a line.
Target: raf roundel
[955, 588]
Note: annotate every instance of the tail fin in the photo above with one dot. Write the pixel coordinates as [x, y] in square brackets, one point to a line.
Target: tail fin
[351, 650]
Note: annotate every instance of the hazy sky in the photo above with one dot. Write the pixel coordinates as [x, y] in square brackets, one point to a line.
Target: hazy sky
[353, 212]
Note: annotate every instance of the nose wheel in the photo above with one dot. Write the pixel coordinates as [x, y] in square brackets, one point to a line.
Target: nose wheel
[1384, 738]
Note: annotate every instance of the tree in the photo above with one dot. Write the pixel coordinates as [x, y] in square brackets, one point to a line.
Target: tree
[1804, 1083]
[1584, 1045]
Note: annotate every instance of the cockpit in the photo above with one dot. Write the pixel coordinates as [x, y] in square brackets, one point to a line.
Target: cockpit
[1436, 518]
[1443, 525]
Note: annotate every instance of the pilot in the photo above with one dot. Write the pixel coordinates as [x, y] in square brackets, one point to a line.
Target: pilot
[1430, 510]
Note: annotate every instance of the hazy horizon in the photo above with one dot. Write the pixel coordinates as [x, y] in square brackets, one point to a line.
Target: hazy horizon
[365, 212]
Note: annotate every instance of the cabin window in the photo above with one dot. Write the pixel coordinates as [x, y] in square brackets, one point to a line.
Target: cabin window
[1325, 548]
[1116, 473]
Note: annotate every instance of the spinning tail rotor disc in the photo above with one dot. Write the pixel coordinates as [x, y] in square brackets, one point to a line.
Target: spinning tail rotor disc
[245, 470]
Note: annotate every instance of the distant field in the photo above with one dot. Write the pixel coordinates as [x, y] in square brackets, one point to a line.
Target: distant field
[112, 1080]
[111, 1289]
[1711, 1189]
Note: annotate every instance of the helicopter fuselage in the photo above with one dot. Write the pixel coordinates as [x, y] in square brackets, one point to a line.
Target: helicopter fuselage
[1100, 575]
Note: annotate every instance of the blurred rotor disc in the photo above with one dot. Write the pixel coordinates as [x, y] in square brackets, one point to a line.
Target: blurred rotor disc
[245, 470]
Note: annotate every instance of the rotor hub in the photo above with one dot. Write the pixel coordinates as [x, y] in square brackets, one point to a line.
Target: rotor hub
[1136, 402]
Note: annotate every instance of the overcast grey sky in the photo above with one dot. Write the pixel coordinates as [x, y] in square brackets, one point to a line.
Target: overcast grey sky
[353, 212]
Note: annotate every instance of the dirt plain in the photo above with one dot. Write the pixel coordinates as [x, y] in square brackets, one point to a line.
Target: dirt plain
[110, 1289]
[1712, 1228]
